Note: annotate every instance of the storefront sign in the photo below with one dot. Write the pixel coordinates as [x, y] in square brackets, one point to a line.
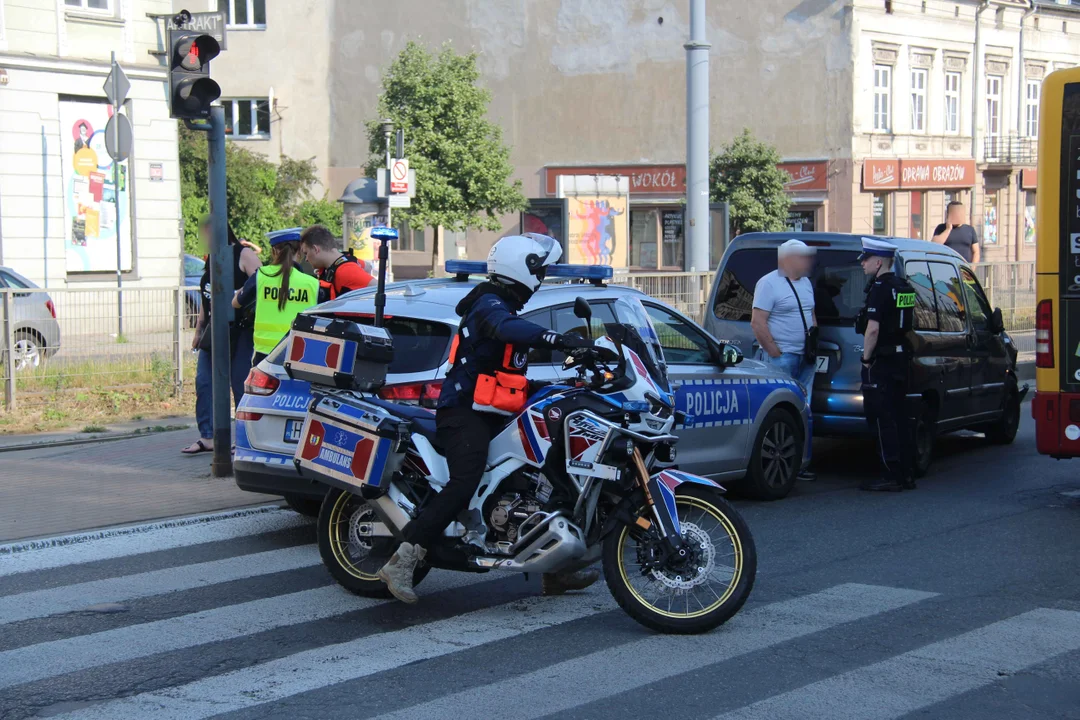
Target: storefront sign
[910, 174]
[1029, 179]
[644, 179]
[806, 176]
[881, 175]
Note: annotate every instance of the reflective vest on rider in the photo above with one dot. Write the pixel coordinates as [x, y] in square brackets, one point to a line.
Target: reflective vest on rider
[272, 324]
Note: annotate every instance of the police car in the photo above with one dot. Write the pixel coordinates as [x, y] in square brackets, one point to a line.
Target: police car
[749, 424]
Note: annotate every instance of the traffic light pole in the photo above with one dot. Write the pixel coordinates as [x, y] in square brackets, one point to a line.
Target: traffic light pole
[221, 310]
[116, 202]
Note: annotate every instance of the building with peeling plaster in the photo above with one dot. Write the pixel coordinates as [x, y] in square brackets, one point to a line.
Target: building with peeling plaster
[868, 101]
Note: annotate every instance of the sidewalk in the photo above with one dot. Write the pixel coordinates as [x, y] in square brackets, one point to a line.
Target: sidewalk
[118, 430]
[54, 490]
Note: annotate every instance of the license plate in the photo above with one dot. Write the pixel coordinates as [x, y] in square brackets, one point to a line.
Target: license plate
[292, 430]
[822, 364]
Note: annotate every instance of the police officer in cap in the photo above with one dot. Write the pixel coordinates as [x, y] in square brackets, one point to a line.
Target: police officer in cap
[885, 322]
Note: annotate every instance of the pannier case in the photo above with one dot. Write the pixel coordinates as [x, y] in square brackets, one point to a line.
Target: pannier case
[347, 443]
[338, 353]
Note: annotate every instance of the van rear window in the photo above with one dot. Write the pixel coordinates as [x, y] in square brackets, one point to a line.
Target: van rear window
[838, 284]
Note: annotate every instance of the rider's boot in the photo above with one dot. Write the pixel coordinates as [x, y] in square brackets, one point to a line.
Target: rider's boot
[559, 583]
[397, 573]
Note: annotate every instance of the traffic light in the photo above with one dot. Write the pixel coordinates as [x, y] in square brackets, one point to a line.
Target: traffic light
[191, 91]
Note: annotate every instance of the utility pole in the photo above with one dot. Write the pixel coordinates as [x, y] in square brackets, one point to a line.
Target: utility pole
[696, 222]
[221, 294]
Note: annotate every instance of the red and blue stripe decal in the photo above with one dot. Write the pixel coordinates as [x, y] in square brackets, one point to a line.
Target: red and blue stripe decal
[528, 440]
[674, 478]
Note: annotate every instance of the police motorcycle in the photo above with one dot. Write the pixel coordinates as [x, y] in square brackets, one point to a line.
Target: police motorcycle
[585, 472]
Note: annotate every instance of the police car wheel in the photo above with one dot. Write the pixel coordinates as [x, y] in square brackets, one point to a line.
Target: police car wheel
[308, 507]
[776, 459]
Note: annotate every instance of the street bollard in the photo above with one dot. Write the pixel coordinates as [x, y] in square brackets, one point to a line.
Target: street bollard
[179, 318]
[9, 351]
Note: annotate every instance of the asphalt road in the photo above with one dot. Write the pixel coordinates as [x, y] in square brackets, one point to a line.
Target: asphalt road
[958, 600]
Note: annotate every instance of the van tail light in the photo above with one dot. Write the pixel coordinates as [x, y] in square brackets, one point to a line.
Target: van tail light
[1044, 334]
[51, 308]
[249, 416]
[425, 394]
[260, 383]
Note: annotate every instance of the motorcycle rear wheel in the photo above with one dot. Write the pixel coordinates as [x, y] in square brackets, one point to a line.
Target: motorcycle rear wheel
[689, 602]
[351, 558]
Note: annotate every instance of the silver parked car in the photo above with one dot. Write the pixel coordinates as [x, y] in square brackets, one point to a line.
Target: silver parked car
[748, 423]
[37, 334]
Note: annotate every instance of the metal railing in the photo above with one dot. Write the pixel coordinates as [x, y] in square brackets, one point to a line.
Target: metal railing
[1010, 149]
[1010, 286]
[688, 292]
[67, 342]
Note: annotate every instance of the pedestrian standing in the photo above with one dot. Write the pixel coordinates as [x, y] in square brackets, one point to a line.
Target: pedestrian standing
[783, 318]
[885, 321]
[954, 233]
[279, 292]
[245, 262]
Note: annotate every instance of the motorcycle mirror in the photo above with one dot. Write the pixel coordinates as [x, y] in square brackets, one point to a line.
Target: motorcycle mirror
[584, 312]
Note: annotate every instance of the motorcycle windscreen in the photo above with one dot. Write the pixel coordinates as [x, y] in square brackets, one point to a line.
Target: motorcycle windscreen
[631, 312]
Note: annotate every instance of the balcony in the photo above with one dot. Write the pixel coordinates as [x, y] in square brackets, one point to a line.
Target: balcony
[1010, 150]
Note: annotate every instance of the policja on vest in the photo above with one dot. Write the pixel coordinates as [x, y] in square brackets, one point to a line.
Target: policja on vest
[273, 321]
[886, 320]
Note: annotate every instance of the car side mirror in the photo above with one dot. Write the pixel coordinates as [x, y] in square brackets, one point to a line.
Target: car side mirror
[730, 355]
[997, 324]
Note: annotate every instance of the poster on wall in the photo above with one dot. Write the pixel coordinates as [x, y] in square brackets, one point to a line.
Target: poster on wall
[599, 230]
[91, 201]
[358, 227]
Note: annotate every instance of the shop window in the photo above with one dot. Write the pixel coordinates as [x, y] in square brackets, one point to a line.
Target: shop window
[671, 228]
[1029, 217]
[544, 217]
[917, 228]
[644, 228]
[949, 297]
[881, 213]
[801, 220]
[990, 218]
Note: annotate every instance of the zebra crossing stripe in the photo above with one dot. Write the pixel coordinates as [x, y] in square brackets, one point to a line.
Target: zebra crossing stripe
[906, 683]
[332, 664]
[50, 659]
[751, 630]
[126, 541]
[70, 598]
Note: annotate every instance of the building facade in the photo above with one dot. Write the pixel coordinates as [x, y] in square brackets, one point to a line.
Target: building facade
[61, 213]
[883, 110]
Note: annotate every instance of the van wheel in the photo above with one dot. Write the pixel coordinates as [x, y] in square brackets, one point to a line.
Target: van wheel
[924, 437]
[776, 459]
[1003, 432]
[306, 506]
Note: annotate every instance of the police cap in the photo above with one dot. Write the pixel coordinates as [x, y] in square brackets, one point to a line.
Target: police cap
[277, 237]
[876, 248]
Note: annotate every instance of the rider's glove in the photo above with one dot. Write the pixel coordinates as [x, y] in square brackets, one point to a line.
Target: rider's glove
[571, 341]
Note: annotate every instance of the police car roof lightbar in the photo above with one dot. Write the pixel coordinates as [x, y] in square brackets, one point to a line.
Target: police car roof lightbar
[595, 274]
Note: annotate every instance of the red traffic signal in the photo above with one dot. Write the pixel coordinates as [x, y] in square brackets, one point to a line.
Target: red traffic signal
[191, 91]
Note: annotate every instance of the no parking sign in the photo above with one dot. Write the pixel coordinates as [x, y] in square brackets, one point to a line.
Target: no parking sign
[399, 176]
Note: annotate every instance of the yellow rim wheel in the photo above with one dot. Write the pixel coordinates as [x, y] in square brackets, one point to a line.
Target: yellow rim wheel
[696, 593]
[341, 540]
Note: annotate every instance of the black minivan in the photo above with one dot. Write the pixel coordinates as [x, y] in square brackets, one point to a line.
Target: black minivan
[963, 370]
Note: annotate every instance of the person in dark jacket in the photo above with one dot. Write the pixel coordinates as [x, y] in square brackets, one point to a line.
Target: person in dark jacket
[485, 385]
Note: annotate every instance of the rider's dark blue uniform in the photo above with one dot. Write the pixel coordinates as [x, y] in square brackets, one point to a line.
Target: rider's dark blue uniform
[492, 337]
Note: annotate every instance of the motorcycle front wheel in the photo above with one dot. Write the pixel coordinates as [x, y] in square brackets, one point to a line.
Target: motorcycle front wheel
[349, 552]
[694, 595]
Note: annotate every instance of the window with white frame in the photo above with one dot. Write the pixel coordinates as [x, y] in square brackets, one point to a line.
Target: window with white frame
[883, 98]
[244, 13]
[103, 6]
[993, 104]
[952, 102]
[918, 99]
[247, 118]
[1031, 109]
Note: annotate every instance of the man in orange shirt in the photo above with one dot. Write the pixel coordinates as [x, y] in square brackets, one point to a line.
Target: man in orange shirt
[338, 273]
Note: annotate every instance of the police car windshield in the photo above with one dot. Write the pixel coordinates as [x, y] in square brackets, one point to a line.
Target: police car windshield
[838, 279]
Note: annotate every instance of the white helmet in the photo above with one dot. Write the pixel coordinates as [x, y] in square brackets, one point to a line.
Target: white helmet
[523, 259]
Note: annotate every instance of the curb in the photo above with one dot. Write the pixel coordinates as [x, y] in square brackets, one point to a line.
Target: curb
[26, 545]
[91, 439]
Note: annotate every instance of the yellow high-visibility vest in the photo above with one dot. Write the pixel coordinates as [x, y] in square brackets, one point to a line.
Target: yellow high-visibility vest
[272, 324]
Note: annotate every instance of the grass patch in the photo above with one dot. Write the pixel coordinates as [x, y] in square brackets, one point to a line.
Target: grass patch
[94, 429]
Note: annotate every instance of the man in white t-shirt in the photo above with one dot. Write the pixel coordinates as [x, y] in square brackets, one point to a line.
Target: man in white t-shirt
[778, 327]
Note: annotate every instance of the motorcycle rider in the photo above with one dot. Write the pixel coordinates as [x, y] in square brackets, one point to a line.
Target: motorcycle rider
[485, 385]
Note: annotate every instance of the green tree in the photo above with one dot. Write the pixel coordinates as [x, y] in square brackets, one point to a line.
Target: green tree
[261, 196]
[745, 173]
[463, 170]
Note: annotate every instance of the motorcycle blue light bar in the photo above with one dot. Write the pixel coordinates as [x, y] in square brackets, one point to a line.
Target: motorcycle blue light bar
[384, 233]
[593, 273]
